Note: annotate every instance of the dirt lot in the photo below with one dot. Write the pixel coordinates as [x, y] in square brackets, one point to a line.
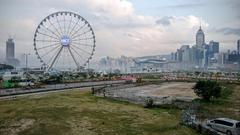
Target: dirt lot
[178, 89]
[162, 94]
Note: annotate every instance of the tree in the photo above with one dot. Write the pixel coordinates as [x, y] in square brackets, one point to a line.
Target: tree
[5, 67]
[207, 89]
[238, 76]
[15, 79]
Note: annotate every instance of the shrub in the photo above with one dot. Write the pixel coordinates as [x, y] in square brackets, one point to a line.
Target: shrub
[148, 103]
[207, 89]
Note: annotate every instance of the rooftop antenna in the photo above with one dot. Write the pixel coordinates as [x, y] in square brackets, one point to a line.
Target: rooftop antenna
[200, 23]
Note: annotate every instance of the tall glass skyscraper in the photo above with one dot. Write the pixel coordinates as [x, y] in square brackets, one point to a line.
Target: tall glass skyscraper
[10, 49]
[200, 38]
[10, 53]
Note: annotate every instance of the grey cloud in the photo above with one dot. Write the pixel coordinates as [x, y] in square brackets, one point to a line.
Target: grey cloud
[193, 5]
[233, 3]
[182, 6]
[165, 21]
[229, 31]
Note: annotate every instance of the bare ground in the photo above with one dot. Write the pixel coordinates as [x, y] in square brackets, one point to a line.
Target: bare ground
[178, 89]
[162, 94]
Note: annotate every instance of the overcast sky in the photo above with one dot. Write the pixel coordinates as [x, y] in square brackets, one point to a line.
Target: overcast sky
[127, 27]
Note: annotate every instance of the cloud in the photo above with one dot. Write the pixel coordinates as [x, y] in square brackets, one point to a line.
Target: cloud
[184, 6]
[165, 21]
[151, 38]
[119, 28]
[114, 8]
[229, 31]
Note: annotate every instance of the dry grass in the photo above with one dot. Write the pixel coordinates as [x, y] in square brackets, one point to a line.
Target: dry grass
[78, 112]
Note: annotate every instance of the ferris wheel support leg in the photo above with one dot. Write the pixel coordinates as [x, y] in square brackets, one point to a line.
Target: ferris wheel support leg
[55, 58]
[74, 59]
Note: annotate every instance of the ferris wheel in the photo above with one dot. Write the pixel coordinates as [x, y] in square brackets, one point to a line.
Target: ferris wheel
[64, 41]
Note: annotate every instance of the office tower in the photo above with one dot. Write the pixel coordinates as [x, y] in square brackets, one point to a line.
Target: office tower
[9, 49]
[10, 53]
[200, 38]
[185, 49]
[179, 55]
[214, 47]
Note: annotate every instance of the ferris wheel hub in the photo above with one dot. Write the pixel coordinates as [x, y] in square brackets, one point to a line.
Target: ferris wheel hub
[65, 41]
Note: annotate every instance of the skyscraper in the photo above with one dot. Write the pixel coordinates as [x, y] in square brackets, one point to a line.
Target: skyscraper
[214, 47]
[9, 49]
[238, 46]
[200, 38]
[10, 53]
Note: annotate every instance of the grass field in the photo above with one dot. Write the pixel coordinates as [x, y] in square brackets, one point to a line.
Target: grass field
[78, 112]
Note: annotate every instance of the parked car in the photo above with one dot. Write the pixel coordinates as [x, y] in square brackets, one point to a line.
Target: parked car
[225, 125]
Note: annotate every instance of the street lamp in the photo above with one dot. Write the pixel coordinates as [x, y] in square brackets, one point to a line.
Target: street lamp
[26, 58]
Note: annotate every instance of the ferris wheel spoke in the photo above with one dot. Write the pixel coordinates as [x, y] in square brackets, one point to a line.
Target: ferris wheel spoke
[64, 23]
[81, 44]
[54, 27]
[69, 25]
[51, 30]
[55, 58]
[78, 39]
[82, 49]
[48, 46]
[47, 35]
[74, 27]
[45, 54]
[74, 50]
[53, 55]
[81, 34]
[47, 41]
[75, 32]
[59, 25]
[74, 59]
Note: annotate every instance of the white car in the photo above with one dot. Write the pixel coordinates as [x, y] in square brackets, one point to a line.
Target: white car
[225, 125]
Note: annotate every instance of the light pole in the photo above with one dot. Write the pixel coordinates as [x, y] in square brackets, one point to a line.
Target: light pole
[26, 58]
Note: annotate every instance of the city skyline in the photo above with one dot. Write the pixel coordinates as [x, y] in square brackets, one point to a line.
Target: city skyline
[128, 28]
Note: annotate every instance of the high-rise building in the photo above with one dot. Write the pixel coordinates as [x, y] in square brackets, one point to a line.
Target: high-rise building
[9, 49]
[185, 53]
[179, 55]
[10, 53]
[238, 46]
[200, 38]
[214, 47]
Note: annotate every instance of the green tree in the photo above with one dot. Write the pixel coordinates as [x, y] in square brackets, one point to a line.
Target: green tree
[207, 89]
[4, 67]
[15, 79]
[238, 76]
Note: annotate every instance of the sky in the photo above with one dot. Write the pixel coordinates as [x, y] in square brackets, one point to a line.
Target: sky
[127, 27]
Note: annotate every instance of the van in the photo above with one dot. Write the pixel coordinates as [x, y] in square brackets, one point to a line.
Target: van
[225, 125]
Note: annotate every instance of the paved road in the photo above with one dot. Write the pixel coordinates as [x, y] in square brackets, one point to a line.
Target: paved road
[37, 93]
[55, 87]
